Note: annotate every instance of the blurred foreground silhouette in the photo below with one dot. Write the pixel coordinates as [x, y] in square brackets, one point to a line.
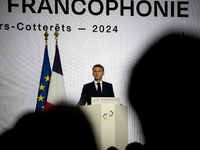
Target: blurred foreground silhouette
[62, 127]
[134, 146]
[164, 91]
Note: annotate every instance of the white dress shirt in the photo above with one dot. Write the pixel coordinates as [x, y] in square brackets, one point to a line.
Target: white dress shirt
[95, 83]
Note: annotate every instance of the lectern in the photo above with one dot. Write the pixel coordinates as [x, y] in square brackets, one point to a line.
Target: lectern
[109, 123]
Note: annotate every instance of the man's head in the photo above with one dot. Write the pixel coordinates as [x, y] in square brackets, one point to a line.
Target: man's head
[163, 92]
[98, 72]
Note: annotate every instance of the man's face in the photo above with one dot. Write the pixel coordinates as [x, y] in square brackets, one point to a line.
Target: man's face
[98, 73]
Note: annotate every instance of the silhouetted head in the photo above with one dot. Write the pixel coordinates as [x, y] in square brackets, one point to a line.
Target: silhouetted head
[61, 127]
[135, 146]
[163, 91]
[112, 148]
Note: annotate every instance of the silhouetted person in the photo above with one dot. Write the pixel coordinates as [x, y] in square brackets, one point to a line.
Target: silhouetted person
[112, 148]
[134, 146]
[61, 128]
[164, 91]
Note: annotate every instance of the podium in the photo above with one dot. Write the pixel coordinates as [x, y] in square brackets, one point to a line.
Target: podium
[109, 124]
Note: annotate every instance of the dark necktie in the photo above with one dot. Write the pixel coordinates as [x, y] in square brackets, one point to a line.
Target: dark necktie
[99, 90]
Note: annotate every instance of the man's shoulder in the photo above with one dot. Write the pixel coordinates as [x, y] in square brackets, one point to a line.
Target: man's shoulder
[89, 84]
[107, 83]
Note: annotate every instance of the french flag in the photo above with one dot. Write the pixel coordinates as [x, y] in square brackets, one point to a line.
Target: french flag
[56, 92]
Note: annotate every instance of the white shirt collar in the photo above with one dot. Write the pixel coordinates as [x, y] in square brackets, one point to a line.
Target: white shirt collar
[95, 83]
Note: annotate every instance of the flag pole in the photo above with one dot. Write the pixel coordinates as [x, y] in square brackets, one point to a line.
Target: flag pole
[46, 37]
[56, 36]
[56, 91]
[44, 80]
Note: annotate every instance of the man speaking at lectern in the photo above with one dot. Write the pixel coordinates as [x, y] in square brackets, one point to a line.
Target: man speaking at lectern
[96, 88]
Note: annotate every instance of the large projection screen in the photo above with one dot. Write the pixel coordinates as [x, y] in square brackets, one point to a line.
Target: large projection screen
[114, 33]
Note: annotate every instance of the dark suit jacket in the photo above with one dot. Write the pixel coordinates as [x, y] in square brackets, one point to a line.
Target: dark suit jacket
[89, 90]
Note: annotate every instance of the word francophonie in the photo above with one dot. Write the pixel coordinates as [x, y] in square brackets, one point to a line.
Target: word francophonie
[167, 8]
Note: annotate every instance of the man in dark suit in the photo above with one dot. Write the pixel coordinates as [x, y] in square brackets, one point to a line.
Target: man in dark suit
[96, 88]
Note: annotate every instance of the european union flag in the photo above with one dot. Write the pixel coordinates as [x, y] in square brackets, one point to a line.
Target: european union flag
[44, 83]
